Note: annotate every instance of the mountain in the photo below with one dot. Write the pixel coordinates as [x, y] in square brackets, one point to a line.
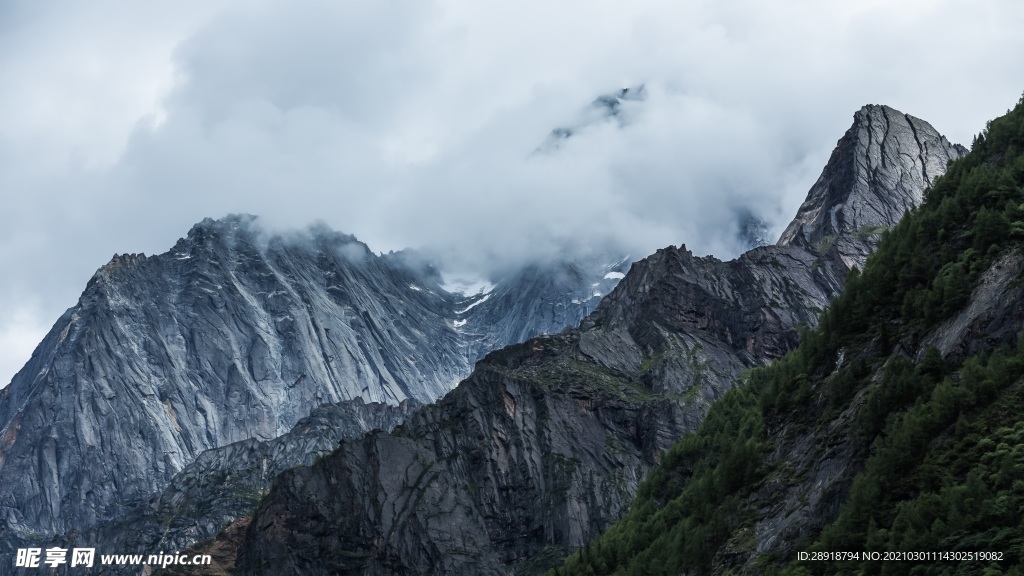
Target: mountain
[753, 232]
[891, 440]
[544, 445]
[233, 335]
[608, 107]
[540, 298]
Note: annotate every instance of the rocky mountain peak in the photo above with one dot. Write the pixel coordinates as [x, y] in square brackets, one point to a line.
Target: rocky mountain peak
[604, 108]
[217, 229]
[878, 170]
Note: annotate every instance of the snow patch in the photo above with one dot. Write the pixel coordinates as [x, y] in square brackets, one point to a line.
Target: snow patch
[614, 276]
[470, 307]
[617, 265]
[459, 323]
[415, 287]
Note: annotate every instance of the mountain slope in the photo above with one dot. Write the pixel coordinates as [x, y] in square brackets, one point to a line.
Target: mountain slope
[894, 427]
[219, 340]
[571, 422]
[224, 484]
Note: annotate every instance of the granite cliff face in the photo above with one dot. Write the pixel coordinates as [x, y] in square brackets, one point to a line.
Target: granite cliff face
[878, 171]
[543, 446]
[219, 340]
[234, 335]
[226, 483]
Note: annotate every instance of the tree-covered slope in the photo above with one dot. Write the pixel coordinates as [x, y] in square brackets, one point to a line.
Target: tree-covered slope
[896, 426]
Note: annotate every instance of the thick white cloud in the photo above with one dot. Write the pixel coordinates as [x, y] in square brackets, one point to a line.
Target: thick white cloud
[413, 123]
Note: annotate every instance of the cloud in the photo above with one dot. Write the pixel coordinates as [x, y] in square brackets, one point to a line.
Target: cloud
[20, 333]
[413, 123]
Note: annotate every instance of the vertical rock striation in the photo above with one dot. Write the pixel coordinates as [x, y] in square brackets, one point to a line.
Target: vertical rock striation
[224, 484]
[878, 171]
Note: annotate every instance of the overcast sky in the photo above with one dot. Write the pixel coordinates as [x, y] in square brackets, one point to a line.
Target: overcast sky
[413, 123]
